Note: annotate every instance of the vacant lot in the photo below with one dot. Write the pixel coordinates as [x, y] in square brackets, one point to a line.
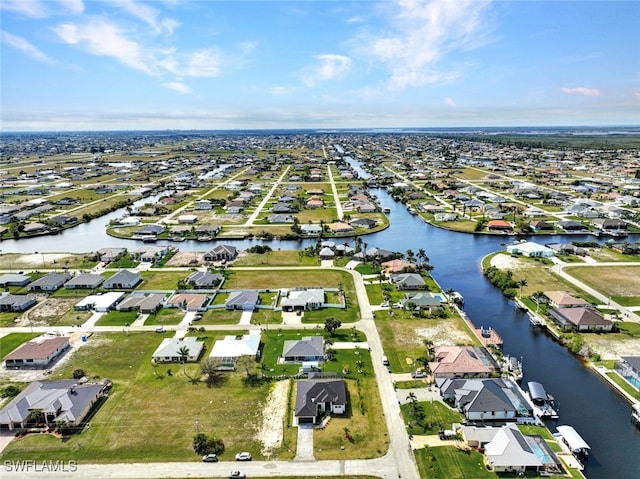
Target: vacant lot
[621, 283]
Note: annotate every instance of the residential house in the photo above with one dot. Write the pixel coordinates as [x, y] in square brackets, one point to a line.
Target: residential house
[109, 255]
[530, 249]
[243, 300]
[149, 254]
[340, 228]
[624, 248]
[423, 301]
[562, 299]
[499, 225]
[540, 225]
[311, 229]
[123, 279]
[309, 348]
[147, 303]
[16, 302]
[221, 252]
[66, 401]
[317, 397]
[49, 282]
[100, 303]
[610, 224]
[150, 230]
[485, 399]
[226, 352]
[407, 280]
[462, 362]
[204, 279]
[569, 225]
[326, 253]
[38, 353]
[580, 319]
[365, 223]
[303, 300]
[629, 368]
[169, 350]
[188, 301]
[396, 266]
[280, 219]
[84, 281]
[14, 279]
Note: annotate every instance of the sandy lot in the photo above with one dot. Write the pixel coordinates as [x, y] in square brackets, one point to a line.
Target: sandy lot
[442, 335]
[48, 309]
[187, 258]
[505, 261]
[37, 259]
[612, 348]
[273, 418]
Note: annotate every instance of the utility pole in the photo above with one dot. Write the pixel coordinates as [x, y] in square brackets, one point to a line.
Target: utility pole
[197, 425]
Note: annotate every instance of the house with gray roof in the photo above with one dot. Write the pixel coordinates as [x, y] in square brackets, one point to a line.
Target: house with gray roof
[169, 350]
[309, 348]
[303, 300]
[108, 255]
[204, 279]
[486, 399]
[14, 279]
[243, 300]
[315, 397]
[84, 281]
[38, 353]
[66, 401]
[408, 280]
[221, 252]
[581, 319]
[144, 303]
[123, 279]
[49, 282]
[16, 302]
[424, 301]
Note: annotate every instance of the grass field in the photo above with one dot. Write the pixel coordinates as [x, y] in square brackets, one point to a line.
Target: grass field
[625, 289]
[277, 258]
[437, 416]
[11, 341]
[450, 462]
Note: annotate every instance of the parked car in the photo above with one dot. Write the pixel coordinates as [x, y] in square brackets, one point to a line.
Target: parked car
[418, 374]
[237, 475]
[197, 317]
[243, 456]
[210, 458]
[160, 330]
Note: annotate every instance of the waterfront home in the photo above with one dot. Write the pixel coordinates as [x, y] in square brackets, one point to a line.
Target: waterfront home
[16, 302]
[123, 279]
[169, 350]
[318, 397]
[581, 319]
[499, 225]
[562, 299]
[226, 352]
[340, 228]
[408, 280]
[396, 266]
[629, 368]
[49, 282]
[364, 223]
[37, 353]
[66, 401]
[423, 301]
[221, 252]
[149, 254]
[308, 348]
[485, 399]
[570, 225]
[108, 255]
[530, 249]
[610, 224]
[462, 362]
[311, 229]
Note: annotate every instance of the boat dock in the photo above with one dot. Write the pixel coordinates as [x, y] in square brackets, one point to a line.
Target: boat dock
[542, 402]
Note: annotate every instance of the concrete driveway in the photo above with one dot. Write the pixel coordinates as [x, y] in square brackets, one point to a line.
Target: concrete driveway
[304, 452]
[5, 438]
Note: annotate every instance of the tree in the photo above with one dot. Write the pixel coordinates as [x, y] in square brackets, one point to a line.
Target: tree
[183, 352]
[212, 377]
[78, 374]
[331, 325]
[200, 443]
[522, 283]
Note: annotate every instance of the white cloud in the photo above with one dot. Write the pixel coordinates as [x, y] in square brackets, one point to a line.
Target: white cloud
[100, 37]
[178, 86]
[73, 6]
[329, 66]
[30, 8]
[581, 90]
[202, 63]
[25, 47]
[635, 94]
[449, 101]
[147, 14]
[424, 34]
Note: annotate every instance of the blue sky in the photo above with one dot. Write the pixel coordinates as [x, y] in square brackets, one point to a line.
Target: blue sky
[133, 64]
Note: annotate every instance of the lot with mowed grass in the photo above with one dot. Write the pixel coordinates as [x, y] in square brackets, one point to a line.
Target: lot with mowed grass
[150, 415]
[620, 283]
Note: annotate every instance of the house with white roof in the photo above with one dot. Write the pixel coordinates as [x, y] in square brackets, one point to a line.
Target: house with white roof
[169, 350]
[227, 351]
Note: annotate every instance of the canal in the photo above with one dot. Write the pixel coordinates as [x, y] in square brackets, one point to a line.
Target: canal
[599, 414]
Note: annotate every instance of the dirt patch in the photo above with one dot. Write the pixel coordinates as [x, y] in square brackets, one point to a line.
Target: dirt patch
[272, 429]
[504, 261]
[38, 259]
[609, 347]
[442, 334]
[48, 309]
[187, 258]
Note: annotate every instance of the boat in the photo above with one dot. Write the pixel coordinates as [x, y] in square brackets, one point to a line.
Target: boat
[386, 210]
[543, 403]
[512, 367]
[570, 439]
[635, 414]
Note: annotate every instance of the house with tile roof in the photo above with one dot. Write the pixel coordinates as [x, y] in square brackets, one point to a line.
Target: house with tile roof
[37, 353]
[462, 362]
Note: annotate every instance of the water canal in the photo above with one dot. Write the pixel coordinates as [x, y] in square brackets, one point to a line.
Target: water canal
[599, 414]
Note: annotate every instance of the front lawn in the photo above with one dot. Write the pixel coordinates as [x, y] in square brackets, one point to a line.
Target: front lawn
[436, 416]
[11, 341]
[117, 318]
[450, 462]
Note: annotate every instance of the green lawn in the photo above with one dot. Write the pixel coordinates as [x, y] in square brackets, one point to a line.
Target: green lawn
[437, 416]
[166, 316]
[449, 462]
[11, 341]
[149, 418]
[277, 258]
[117, 318]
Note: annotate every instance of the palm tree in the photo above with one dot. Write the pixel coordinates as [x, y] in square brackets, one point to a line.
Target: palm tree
[423, 361]
[183, 352]
[428, 344]
[522, 282]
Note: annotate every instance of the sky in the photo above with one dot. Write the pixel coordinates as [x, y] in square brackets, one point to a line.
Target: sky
[208, 64]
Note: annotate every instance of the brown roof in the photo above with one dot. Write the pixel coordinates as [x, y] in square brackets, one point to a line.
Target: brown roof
[190, 300]
[396, 265]
[458, 359]
[562, 298]
[584, 317]
[38, 349]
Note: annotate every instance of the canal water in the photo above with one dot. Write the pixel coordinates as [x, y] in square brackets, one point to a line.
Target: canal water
[599, 415]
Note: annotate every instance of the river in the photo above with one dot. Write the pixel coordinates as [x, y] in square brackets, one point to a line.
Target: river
[597, 412]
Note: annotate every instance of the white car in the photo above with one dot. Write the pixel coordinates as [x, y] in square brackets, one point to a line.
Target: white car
[243, 456]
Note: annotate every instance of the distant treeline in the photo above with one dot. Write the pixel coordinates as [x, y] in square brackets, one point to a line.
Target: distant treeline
[555, 141]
